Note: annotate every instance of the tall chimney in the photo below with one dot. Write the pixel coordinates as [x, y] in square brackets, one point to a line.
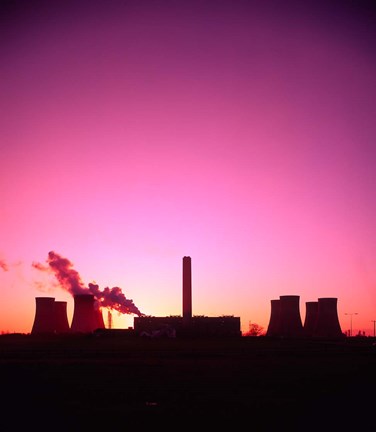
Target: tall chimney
[61, 317]
[310, 318]
[274, 327]
[328, 325]
[44, 320]
[291, 323]
[187, 290]
[84, 314]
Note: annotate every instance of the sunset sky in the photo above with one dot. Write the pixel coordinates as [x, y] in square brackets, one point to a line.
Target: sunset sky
[239, 133]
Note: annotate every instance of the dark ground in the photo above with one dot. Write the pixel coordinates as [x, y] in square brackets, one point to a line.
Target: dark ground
[81, 383]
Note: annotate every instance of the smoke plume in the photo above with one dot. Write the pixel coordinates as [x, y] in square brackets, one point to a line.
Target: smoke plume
[4, 265]
[70, 280]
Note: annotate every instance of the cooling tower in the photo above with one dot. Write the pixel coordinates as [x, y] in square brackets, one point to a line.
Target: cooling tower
[290, 322]
[187, 290]
[83, 320]
[99, 321]
[327, 325]
[61, 317]
[44, 320]
[310, 318]
[275, 319]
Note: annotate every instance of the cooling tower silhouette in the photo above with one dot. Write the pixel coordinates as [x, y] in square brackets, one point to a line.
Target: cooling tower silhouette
[327, 325]
[187, 290]
[99, 321]
[290, 320]
[44, 320]
[274, 326]
[84, 320]
[310, 320]
[61, 317]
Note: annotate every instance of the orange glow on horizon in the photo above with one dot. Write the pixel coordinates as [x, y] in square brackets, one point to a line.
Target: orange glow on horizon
[235, 133]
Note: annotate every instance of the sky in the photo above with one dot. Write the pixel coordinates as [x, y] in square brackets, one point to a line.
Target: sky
[239, 133]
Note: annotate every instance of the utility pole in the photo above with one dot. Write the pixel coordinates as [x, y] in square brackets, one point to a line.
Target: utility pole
[374, 327]
[351, 315]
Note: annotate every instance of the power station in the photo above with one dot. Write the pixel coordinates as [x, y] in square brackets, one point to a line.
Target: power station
[275, 318]
[290, 321]
[321, 319]
[327, 323]
[187, 324]
[61, 317]
[310, 321]
[44, 320]
[51, 316]
[86, 317]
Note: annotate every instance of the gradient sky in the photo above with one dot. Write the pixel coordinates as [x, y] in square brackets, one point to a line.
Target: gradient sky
[240, 133]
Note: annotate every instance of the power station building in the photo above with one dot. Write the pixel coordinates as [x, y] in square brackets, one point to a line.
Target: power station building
[321, 318]
[51, 316]
[44, 319]
[86, 316]
[327, 324]
[187, 324]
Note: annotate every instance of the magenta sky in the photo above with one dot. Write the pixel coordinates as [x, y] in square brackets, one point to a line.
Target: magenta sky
[239, 133]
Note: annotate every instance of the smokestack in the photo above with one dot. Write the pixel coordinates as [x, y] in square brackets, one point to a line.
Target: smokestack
[44, 320]
[61, 317]
[291, 323]
[187, 290]
[328, 325]
[310, 320]
[84, 314]
[274, 327]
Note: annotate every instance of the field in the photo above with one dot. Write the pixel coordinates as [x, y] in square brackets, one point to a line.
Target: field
[93, 382]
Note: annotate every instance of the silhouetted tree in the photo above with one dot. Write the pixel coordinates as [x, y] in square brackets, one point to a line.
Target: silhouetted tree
[254, 330]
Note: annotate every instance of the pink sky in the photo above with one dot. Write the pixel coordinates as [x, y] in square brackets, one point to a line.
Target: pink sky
[239, 133]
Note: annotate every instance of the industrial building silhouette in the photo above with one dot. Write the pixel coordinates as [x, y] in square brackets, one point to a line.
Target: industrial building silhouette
[187, 324]
[86, 317]
[61, 317]
[321, 319]
[44, 320]
[51, 316]
[310, 318]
